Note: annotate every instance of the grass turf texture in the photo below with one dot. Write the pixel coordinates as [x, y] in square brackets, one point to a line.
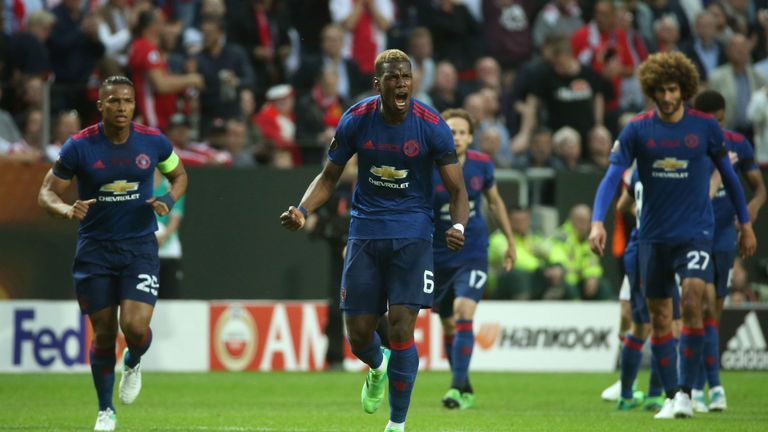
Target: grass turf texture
[330, 402]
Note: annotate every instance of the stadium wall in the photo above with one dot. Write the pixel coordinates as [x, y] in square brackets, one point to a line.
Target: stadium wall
[233, 245]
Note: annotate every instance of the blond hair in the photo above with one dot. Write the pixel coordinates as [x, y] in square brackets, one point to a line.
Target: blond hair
[389, 56]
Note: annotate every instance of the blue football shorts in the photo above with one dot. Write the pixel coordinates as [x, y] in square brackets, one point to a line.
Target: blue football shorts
[467, 281]
[107, 272]
[379, 273]
[660, 262]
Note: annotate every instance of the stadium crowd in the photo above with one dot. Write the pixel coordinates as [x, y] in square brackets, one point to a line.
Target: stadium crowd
[264, 83]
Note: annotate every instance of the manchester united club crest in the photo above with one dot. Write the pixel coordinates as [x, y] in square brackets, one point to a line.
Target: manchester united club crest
[411, 148]
[143, 161]
[692, 140]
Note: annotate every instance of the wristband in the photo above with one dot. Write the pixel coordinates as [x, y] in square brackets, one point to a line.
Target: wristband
[459, 227]
[303, 211]
[168, 200]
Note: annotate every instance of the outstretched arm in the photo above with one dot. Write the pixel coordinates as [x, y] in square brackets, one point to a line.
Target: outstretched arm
[499, 212]
[316, 195]
[605, 193]
[453, 179]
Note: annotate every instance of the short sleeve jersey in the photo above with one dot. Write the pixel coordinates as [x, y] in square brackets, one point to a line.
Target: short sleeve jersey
[725, 214]
[118, 176]
[393, 195]
[674, 165]
[478, 178]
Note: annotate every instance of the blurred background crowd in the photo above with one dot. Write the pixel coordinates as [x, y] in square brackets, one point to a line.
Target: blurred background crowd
[240, 83]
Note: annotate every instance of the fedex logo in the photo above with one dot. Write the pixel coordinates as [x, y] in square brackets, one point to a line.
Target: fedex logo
[46, 344]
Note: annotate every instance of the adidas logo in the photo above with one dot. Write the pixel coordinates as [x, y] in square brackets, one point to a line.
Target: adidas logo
[747, 348]
[368, 145]
[98, 165]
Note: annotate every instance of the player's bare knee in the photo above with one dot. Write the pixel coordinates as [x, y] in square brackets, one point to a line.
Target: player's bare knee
[135, 331]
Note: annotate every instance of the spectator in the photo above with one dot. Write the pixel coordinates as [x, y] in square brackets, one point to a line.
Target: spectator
[421, 50]
[757, 112]
[237, 144]
[75, 50]
[661, 8]
[488, 74]
[28, 53]
[706, 52]
[366, 23]
[723, 31]
[192, 154]
[456, 33]
[276, 119]
[736, 81]
[417, 91]
[667, 32]
[17, 12]
[583, 272]
[9, 132]
[599, 146]
[526, 279]
[539, 154]
[558, 18]
[261, 28]
[115, 20]
[67, 124]
[492, 119]
[156, 89]
[741, 289]
[632, 98]
[309, 18]
[28, 148]
[248, 108]
[566, 143]
[490, 142]
[604, 46]
[640, 18]
[741, 16]
[317, 114]
[445, 94]
[571, 93]
[225, 70]
[508, 30]
[521, 115]
[350, 80]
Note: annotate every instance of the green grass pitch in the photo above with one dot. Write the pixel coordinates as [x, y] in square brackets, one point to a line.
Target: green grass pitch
[330, 402]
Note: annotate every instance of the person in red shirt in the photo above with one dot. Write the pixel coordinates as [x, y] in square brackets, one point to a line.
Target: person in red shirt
[156, 88]
[602, 45]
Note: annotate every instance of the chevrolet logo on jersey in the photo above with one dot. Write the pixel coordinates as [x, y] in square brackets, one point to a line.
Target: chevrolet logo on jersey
[388, 173]
[119, 187]
[119, 191]
[670, 168]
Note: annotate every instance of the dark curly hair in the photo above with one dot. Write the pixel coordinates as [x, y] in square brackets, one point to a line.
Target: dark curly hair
[460, 113]
[668, 67]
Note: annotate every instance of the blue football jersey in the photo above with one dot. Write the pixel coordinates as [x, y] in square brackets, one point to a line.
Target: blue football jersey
[478, 177]
[725, 214]
[393, 195]
[119, 176]
[674, 166]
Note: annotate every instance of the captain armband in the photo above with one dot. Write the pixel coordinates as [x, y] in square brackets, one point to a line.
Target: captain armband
[169, 164]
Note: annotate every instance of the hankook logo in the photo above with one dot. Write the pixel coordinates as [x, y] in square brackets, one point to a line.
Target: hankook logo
[492, 335]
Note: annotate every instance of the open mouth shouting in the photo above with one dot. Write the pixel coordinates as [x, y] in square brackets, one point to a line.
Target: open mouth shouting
[401, 99]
